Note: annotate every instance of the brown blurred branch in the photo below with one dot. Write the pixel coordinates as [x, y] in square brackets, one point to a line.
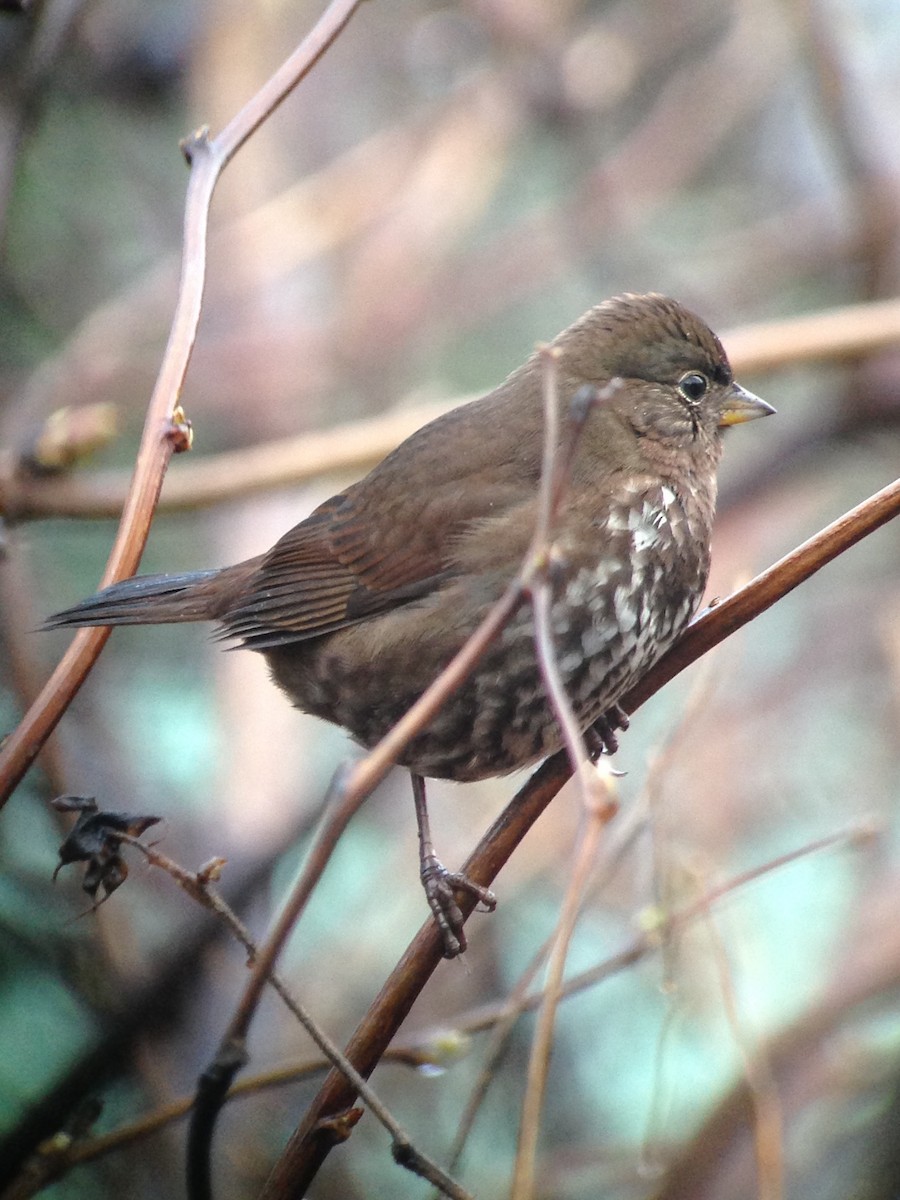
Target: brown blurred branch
[311, 1143]
[836, 334]
[207, 158]
[217, 477]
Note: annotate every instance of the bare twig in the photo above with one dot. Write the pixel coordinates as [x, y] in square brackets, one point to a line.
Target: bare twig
[594, 783]
[595, 819]
[507, 1014]
[207, 158]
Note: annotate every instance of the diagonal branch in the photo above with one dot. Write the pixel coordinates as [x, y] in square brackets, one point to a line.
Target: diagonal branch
[420, 1049]
[312, 1141]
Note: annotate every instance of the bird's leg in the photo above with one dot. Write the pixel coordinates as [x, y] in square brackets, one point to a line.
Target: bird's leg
[439, 883]
[602, 734]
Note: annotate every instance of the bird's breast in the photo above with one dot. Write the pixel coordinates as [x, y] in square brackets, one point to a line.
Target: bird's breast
[618, 611]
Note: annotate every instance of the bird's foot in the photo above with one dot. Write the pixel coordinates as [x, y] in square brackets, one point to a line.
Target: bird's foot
[602, 734]
[440, 885]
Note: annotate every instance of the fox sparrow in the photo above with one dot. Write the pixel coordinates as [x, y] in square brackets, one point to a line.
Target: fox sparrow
[359, 607]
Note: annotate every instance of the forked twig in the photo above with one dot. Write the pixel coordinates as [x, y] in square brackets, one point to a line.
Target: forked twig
[207, 158]
[419, 1050]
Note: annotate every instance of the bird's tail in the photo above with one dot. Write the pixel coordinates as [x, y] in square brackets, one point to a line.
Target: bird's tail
[145, 600]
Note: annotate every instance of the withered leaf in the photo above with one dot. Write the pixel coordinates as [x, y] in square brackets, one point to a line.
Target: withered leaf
[96, 839]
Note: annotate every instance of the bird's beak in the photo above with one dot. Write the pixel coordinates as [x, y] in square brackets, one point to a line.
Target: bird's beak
[741, 406]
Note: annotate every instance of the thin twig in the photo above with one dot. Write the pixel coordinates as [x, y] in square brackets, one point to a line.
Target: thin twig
[507, 1015]
[595, 819]
[198, 887]
[593, 783]
[627, 827]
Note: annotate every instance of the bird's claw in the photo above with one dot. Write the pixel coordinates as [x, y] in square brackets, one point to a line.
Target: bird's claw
[602, 734]
[440, 886]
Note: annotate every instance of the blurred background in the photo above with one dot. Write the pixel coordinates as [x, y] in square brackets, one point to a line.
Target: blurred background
[453, 183]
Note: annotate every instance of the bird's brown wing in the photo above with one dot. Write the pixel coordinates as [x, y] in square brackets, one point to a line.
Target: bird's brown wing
[341, 565]
[391, 538]
[331, 570]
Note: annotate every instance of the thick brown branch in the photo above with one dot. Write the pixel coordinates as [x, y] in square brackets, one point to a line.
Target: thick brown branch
[310, 1144]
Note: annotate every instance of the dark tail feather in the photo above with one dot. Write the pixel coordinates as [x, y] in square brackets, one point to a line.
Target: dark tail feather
[143, 600]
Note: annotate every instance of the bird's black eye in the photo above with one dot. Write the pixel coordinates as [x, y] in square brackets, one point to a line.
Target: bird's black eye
[693, 386]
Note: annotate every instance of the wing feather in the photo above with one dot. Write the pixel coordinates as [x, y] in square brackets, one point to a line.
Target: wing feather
[382, 543]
